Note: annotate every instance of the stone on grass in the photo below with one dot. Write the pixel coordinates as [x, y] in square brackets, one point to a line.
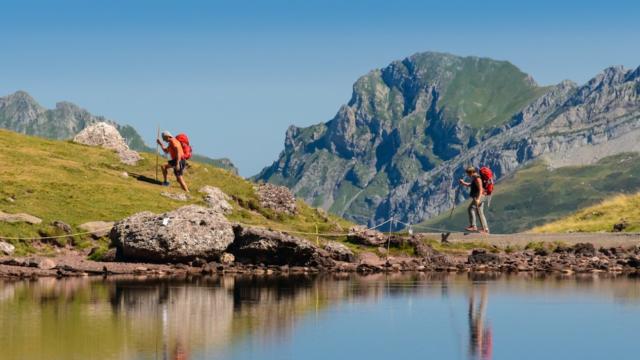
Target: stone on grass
[97, 229]
[175, 196]
[180, 235]
[20, 217]
[339, 252]
[277, 198]
[216, 199]
[6, 248]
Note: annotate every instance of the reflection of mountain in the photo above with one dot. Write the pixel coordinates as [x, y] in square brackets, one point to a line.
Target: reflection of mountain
[143, 318]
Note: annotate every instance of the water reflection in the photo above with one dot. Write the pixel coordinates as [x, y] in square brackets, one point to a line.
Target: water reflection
[258, 317]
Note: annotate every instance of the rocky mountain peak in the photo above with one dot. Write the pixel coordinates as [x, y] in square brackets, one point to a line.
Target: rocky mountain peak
[411, 127]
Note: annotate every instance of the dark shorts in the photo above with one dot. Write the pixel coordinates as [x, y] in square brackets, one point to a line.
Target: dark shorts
[178, 166]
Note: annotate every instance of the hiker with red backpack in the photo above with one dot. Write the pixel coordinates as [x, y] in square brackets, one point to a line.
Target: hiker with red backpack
[180, 151]
[481, 186]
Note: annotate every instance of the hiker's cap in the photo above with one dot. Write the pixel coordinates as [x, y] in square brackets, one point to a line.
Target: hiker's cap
[470, 170]
[166, 134]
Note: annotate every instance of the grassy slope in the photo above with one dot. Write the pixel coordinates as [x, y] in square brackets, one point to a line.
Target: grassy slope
[60, 180]
[536, 195]
[600, 217]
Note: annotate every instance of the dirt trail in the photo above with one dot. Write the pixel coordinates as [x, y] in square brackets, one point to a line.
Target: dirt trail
[522, 239]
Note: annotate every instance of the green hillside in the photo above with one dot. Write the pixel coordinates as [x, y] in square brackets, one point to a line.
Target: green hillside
[537, 195]
[601, 217]
[61, 180]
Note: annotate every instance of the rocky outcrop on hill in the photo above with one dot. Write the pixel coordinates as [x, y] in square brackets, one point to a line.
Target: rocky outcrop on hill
[107, 136]
[181, 235]
[256, 245]
[277, 198]
[409, 130]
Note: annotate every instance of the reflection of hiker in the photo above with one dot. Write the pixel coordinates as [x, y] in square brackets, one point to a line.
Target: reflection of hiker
[178, 161]
[477, 200]
[480, 336]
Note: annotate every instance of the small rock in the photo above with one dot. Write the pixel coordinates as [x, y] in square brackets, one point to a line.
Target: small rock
[277, 198]
[362, 235]
[216, 199]
[6, 248]
[584, 249]
[124, 174]
[10, 199]
[482, 256]
[175, 196]
[42, 263]
[21, 217]
[619, 227]
[227, 258]
[97, 229]
[62, 226]
[140, 269]
[339, 252]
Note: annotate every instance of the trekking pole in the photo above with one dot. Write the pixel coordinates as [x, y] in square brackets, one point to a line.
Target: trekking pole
[157, 152]
[455, 198]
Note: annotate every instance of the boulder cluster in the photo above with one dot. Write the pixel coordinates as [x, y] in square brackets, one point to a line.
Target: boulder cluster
[107, 136]
[276, 198]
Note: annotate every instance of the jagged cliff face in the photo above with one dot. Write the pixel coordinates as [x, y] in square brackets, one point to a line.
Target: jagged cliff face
[403, 140]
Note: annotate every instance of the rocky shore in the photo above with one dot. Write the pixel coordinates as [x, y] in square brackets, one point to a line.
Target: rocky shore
[336, 258]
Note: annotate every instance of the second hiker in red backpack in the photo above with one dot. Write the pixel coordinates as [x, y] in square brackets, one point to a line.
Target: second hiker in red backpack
[178, 161]
[477, 194]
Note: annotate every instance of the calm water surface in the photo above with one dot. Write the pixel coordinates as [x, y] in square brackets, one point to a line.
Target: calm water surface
[395, 317]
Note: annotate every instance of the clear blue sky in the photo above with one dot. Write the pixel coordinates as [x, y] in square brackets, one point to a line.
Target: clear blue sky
[235, 74]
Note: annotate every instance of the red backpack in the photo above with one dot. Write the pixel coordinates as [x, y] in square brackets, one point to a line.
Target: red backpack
[186, 147]
[487, 179]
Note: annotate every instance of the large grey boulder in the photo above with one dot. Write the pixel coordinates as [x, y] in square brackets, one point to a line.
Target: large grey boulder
[262, 246]
[177, 236]
[107, 136]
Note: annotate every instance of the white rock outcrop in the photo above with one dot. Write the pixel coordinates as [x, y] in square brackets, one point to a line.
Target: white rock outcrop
[107, 136]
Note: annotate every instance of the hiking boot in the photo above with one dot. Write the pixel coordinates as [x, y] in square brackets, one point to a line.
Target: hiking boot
[166, 183]
[471, 228]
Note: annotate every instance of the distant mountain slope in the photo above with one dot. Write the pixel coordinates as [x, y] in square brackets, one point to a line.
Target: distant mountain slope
[411, 128]
[537, 194]
[21, 113]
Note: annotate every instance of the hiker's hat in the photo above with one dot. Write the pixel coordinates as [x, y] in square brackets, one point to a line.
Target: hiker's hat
[470, 170]
[166, 134]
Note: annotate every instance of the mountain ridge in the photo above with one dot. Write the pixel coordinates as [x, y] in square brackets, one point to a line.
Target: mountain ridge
[20, 112]
[344, 166]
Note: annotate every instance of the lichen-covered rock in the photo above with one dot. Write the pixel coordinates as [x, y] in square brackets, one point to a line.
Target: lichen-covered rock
[216, 199]
[339, 252]
[107, 136]
[177, 236]
[20, 217]
[62, 226]
[277, 198]
[261, 246]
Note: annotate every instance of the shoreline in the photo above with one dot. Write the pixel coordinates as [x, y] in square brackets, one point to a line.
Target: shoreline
[546, 258]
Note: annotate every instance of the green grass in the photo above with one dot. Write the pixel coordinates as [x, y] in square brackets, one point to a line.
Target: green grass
[601, 217]
[537, 195]
[60, 180]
